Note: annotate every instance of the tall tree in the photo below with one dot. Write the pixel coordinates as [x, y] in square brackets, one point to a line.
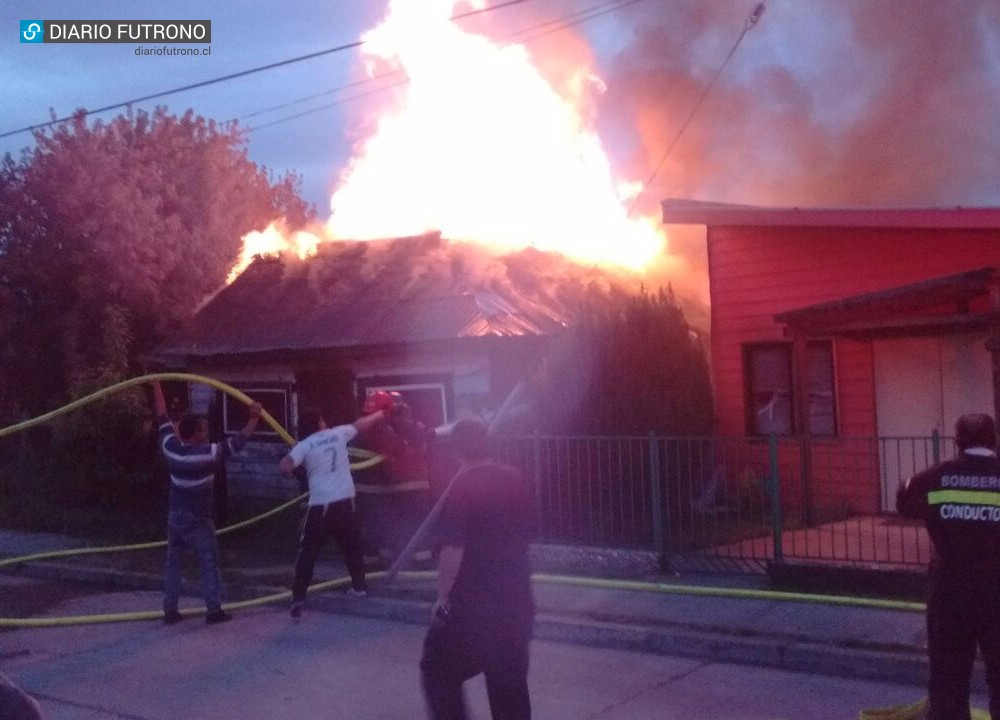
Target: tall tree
[111, 233]
[628, 365]
[631, 367]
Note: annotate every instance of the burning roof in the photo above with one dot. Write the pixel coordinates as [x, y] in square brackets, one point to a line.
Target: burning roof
[406, 290]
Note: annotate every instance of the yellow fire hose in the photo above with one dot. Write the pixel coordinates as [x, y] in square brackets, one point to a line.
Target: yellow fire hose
[340, 582]
[368, 460]
[900, 712]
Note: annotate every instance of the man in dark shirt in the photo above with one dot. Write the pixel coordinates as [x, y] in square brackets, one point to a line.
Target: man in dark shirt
[192, 462]
[959, 500]
[483, 617]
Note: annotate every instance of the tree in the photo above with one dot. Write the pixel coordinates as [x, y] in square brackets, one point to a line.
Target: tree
[630, 367]
[111, 234]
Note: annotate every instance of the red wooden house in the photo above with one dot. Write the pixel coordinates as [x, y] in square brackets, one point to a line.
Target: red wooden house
[848, 331]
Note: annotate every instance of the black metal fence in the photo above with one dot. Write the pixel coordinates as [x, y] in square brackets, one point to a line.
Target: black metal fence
[730, 503]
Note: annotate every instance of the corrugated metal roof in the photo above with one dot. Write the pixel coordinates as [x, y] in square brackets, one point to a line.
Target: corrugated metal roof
[354, 294]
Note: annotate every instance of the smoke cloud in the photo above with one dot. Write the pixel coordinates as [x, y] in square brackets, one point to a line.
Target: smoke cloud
[869, 103]
[881, 102]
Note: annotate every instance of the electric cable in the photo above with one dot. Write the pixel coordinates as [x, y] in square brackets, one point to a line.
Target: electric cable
[751, 21]
[560, 23]
[235, 75]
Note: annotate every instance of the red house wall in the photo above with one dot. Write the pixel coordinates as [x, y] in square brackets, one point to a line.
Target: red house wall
[758, 272]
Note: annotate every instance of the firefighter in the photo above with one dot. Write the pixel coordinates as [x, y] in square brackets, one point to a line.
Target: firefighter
[394, 494]
[959, 500]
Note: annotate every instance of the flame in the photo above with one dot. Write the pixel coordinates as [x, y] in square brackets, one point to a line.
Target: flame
[275, 239]
[483, 148]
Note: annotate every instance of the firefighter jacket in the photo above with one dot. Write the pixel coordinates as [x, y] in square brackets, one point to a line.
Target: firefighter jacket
[405, 467]
[959, 500]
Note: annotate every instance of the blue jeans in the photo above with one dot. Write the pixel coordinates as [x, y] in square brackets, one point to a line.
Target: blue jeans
[186, 529]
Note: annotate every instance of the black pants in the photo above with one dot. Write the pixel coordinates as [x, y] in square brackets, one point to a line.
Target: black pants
[322, 521]
[457, 651]
[961, 615]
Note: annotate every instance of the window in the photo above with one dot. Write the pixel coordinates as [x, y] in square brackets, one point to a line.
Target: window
[274, 398]
[822, 407]
[768, 377]
[429, 396]
[770, 397]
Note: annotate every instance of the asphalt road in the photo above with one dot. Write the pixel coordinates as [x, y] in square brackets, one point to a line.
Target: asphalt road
[265, 665]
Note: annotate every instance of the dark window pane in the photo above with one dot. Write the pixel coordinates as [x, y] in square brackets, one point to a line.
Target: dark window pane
[770, 390]
[822, 408]
[275, 402]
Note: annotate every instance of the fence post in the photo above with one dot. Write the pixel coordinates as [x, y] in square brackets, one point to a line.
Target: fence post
[775, 496]
[656, 496]
[936, 446]
[537, 449]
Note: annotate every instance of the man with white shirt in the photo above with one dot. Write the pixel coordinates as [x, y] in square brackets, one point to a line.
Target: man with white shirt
[323, 453]
[959, 500]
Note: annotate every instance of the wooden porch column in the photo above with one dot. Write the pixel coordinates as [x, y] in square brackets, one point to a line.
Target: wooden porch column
[800, 385]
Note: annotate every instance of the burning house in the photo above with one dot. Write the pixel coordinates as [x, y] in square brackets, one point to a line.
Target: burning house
[448, 325]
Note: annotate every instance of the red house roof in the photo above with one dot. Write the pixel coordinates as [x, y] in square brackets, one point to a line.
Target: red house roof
[696, 212]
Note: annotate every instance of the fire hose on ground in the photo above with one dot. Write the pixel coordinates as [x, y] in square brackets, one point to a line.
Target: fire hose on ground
[368, 460]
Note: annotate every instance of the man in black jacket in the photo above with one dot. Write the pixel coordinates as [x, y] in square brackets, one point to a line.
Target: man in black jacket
[482, 619]
[959, 500]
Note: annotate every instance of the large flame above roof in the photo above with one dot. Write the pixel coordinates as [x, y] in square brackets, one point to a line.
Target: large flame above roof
[482, 148]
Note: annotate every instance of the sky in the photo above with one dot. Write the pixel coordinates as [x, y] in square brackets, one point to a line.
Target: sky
[872, 102]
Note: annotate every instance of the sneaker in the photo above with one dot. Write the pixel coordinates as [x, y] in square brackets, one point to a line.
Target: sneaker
[357, 593]
[296, 609]
[171, 617]
[217, 616]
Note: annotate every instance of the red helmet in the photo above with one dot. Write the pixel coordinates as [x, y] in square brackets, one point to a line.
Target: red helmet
[378, 400]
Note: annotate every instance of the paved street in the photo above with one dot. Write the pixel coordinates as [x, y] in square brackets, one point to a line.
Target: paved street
[264, 665]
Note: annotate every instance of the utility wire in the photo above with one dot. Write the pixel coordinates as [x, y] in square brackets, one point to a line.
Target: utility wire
[750, 22]
[233, 76]
[324, 93]
[333, 104]
[565, 21]
[561, 23]
[584, 16]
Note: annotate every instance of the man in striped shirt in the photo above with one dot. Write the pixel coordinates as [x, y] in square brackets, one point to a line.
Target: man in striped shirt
[191, 462]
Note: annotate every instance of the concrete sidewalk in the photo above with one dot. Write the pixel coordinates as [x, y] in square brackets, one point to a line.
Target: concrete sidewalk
[861, 643]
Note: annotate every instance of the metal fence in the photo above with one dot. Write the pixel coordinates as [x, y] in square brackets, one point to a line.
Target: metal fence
[730, 503]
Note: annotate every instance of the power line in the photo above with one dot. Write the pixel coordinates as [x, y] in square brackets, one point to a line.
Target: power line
[584, 15]
[185, 88]
[561, 23]
[750, 22]
[333, 104]
[233, 76]
[331, 91]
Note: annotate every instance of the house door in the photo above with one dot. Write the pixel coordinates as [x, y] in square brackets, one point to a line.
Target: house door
[923, 385]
